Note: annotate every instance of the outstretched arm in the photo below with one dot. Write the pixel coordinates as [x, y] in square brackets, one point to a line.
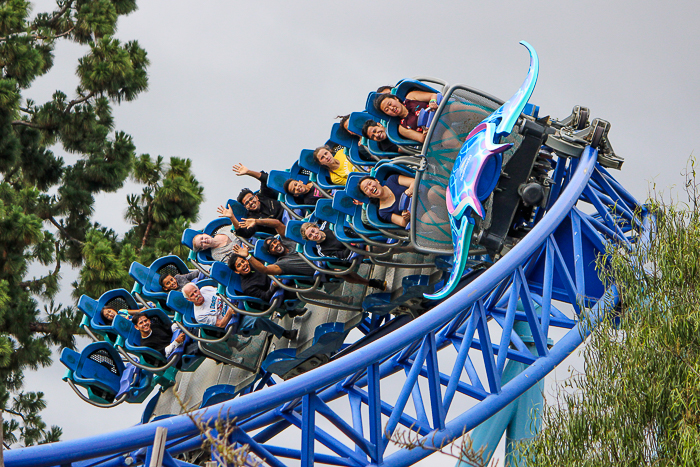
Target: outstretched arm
[228, 212]
[255, 263]
[274, 223]
[241, 169]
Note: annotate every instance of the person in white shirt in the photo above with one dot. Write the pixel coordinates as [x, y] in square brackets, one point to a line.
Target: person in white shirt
[212, 310]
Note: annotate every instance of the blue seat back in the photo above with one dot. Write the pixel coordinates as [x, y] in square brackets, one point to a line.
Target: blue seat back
[188, 237]
[377, 115]
[98, 364]
[204, 257]
[149, 277]
[358, 119]
[352, 188]
[277, 178]
[293, 231]
[325, 211]
[132, 337]
[407, 85]
[375, 150]
[383, 169]
[342, 137]
[225, 276]
[323, 178]
[344, 203]
[116, 299]
[307, 161]
[392, 125]
[177, 301]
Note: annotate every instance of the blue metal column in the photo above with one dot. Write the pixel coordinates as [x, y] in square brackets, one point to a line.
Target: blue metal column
[519, 420]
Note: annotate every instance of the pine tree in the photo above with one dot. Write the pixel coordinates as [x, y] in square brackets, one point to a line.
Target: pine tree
[46, 204]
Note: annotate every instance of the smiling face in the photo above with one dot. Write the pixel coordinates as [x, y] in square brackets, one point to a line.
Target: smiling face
[193, 294]
[371, 187]
[143, 325]
[324, 157]
[241, 266]
[315, 234]
[392, 107]
[275, 247]
[202, 242]
[108, 314]
[169, 283]
[298, 188]
[251, 202]
[376, 132]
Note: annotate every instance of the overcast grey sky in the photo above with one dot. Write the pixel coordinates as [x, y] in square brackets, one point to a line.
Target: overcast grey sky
[256, 82]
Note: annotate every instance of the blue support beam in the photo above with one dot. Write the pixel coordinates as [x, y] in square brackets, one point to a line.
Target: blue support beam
[369, 364]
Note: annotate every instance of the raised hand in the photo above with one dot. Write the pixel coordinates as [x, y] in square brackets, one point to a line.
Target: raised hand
[240, 169]
[248, 223]
[240, 250]
[225, 211]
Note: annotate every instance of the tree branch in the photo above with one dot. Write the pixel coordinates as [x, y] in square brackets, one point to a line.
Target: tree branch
[12, 412]
[60, 13]
[63, 231]
[78, 101]
[55, 270]
[148, 226]
[40, 327]
[44, 328]
[68, 108]
[64, 34]
[29, 124]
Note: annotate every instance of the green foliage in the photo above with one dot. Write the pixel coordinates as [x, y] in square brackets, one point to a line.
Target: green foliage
[168, 203]
[26, 424]
[46, 205]
[638, 402]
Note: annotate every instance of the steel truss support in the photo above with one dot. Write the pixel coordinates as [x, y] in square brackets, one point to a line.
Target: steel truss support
[345, 412]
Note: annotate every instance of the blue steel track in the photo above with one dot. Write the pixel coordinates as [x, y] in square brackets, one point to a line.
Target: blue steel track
[369, 364]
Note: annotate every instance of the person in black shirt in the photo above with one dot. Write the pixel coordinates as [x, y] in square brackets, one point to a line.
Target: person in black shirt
[253, 283]
[263, 205]
[376, 132]
[326, 242]
[290, 262]
[257, 284]
[156, 335]
[303, 193]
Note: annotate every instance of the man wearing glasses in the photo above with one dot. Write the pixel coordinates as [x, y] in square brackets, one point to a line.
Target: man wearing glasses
[263, 205]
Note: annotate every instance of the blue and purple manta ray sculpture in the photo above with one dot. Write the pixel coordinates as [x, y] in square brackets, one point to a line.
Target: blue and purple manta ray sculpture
[476, 171]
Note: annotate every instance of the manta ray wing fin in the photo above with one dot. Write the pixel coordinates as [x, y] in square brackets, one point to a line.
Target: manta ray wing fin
[461, 238]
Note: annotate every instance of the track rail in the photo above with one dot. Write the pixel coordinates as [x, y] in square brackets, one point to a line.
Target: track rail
[296, 402]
